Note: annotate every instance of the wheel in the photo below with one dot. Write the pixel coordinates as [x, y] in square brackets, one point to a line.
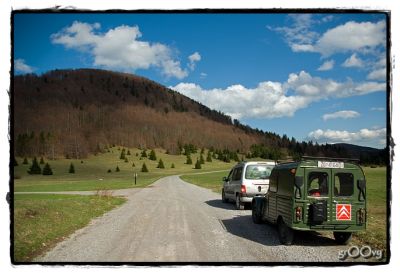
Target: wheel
[224, 199]
[286, 234]
[255, 215]
[239, 205]
[342, 238]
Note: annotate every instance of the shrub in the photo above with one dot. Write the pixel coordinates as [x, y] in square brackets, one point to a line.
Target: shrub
[198, 164]
[35, 168]
[109, 170]
[71, 168]
[172, 166]
[201, 159]
[160, 164]
[117, 169]
[25, 162]
[126, 160]
[144, 168]
[152, 155]
[188, 160]
[128, 153]
[47, 170]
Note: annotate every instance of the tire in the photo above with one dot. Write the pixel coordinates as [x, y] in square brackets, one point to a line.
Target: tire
[238, 204]
[285, 233]
[255, 215]
[342, 238]
[224, 199]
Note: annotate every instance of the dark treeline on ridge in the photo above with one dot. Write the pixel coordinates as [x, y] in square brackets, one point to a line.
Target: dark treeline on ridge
[74, 113]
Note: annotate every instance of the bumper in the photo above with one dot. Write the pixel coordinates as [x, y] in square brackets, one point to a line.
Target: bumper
[246, 199]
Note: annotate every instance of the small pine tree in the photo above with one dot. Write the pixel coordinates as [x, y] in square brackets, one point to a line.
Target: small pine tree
[152, 155]
[15, 162]
[35, 168]
[71, 168]
[117, 169]
[47, 170]
[198, 164]
[201, 159]
[172, 166]
[122, 156]
[189, 160]
[41, 161]
[126, 160]
[144, 154]
[133, 164]
[128, 153]
[144, 168]
[202, 151]
[160, 164]
[25, 162]
[209, 159]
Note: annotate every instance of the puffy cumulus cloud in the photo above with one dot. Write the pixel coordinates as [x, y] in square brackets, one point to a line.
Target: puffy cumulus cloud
[362, 136]
[352, 36]
[346, 114]
[119, 48]
[353, 61]
[195, 57]
[327, 65]
[378, 74]
[21, 66]
[274, 99]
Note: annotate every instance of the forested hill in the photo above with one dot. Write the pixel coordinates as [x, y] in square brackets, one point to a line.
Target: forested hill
[74, 113]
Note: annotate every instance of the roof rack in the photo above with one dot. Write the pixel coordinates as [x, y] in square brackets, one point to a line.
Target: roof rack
[332, 158]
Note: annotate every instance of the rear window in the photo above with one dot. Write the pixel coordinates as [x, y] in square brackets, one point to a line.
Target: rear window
[317, 184]
[258, 172]
[344, 184]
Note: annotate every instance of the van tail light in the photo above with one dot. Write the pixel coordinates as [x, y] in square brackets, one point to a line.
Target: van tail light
[299, 214]
[243, 189]
[361, 216]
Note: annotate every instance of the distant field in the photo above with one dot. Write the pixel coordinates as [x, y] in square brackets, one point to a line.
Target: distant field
[42, 220]
[375, 235]
[92, 173]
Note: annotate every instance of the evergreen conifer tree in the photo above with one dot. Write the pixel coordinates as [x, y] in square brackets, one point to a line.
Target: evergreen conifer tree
[25, 162]
[189, 160]
[35, 168]
[144, 154]
[71, 168]
[160, 164]
[201, 159]
[152, 155]
[198, 164]
[122, 156]
[144, 168]
[117, 169]
[172, 166]
[47, 170]
[209, 159]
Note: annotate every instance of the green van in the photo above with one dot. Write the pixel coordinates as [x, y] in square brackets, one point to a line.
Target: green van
[314, 194]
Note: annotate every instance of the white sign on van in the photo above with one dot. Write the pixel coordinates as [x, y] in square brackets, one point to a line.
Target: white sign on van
[332, 165]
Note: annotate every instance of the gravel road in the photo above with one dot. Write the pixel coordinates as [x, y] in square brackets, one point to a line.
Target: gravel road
[174, 221]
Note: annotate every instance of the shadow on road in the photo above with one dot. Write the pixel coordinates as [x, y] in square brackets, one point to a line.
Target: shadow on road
[217, 203]
[267, 234]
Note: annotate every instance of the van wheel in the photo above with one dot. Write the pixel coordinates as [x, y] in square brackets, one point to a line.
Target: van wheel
[255, 215]
[342, 238]
[286, 234]
[224, 199]
[239, 205]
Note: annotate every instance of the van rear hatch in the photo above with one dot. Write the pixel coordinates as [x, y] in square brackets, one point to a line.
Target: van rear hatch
[258, 173]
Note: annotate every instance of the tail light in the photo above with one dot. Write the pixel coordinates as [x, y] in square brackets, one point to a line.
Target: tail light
[298, 213]
[243, 189]
[361, 216]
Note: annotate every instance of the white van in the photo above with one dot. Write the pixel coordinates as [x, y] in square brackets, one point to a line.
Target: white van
[246, 180]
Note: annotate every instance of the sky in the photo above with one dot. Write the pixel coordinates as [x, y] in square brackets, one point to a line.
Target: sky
[315, 77]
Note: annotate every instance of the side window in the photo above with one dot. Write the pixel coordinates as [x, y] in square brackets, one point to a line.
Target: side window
[273, 182]
[230, 175]
[237, 175]
[317, 184]
[344, 184]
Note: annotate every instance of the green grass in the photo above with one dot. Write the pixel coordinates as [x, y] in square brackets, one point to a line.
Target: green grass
[375, 234]
[92, 173]
[42, 220]
[211, 181]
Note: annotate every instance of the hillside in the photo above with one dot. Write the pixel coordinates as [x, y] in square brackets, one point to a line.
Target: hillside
[76, 112]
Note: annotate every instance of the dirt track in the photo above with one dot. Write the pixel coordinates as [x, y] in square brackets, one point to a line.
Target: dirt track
[173, 221]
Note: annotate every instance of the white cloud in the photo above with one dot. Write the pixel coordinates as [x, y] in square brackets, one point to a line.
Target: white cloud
[353, 61]
[203, 75]
[352, 36]
[377, 109]
[274, 99]
[346, 114]
[21, 66]
[119, 48]
[378, 74]
[361, 136]
[195, 57]
[327, 65]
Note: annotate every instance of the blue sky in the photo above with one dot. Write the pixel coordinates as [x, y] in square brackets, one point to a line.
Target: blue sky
[319, 77]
